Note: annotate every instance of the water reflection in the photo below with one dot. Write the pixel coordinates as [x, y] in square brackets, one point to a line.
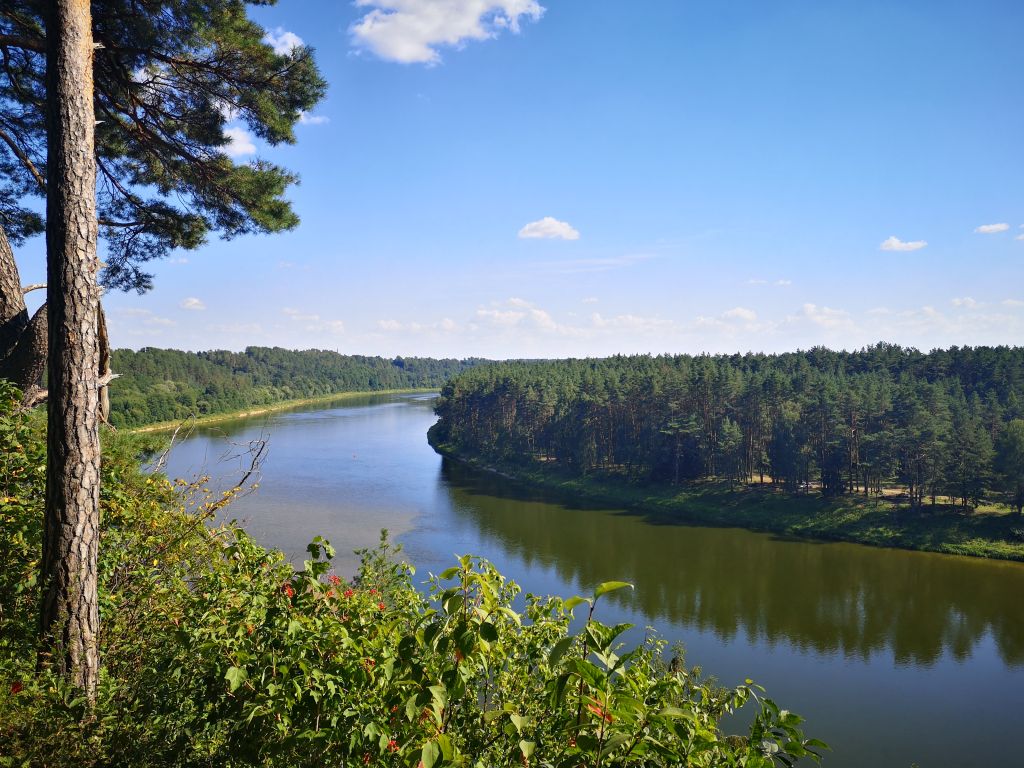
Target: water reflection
[832, 599]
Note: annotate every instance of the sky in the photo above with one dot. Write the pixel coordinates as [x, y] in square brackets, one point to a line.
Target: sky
[514, 178]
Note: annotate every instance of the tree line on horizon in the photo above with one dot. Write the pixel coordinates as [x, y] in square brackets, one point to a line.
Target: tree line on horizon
[947, 423]
[167, 384]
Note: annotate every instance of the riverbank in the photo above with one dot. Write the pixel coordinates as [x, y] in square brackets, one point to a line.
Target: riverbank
[284, 405]
[874, 522]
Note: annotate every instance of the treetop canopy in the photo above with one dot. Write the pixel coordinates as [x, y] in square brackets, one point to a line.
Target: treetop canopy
[170, 76]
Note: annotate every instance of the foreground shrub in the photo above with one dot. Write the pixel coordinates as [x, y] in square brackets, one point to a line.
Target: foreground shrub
[217, 652]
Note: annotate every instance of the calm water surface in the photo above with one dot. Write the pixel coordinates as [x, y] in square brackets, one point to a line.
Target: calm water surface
[894, 657]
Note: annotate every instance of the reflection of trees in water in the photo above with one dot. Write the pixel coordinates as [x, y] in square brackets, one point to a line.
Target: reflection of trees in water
[827, 598]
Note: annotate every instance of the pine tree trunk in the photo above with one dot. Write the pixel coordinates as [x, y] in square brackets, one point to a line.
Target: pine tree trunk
[70, 615]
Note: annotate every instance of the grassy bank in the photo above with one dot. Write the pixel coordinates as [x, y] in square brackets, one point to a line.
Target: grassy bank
[993, 533]
[284, 405]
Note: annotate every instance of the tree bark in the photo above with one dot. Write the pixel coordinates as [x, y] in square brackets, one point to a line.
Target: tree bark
[69, 619]
[103, 369]
[25, 364]
[23, 341]
[13, 314]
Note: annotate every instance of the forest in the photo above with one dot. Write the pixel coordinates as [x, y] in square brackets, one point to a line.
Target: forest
[167, 384]
[944, 424]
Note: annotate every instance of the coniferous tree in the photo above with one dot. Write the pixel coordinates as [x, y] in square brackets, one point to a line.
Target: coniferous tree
[132, 145]
[842, 422]
[1009, 463]
[169, 75]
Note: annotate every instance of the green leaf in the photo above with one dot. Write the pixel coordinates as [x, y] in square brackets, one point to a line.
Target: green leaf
[453, 603]
[614, 741]
[235, 677]
[429, 754]
[439, 694]
[675, 712]
[610, 586]
[559, 649]
[527, 748]
[447, 748]
[411, 708]
[488, 632]
[572, 602]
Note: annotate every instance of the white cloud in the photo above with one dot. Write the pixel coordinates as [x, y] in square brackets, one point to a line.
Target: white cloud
[783, 282]
[630, 322]
[779, 283]
[445, 324]
[227, 110]
[144, 317]
[928, 327]
[740, 313]
[965, 302]
[307, 119]
[177, 260]
[520, 312]
[590, 300]
[239, 143]
[605, 264]
[193, 304]
[500, 317]
[893, 243]
[313, 323]
[411, 31]
[549, 228]
[991, 229]
[517, 327]
[282, 41]
[246, 330]
[1019, 237]
[596, 327]
[826, 317]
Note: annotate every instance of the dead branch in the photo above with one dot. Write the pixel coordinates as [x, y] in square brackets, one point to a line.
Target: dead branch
[188, 425]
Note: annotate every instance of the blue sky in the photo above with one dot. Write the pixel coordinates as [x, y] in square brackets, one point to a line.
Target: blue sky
[697, 175]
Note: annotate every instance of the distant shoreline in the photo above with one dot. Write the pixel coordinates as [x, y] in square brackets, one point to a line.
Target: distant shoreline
[853, 519]
[284, 405]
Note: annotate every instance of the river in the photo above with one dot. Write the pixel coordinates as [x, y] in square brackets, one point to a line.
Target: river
[895, 658]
